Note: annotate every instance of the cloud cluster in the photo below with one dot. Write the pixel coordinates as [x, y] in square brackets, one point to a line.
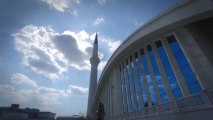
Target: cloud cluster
[20, 79]
[60, 5]
[101, 2]
[50, 54]
[38, 51]
[74, 12]
[98, 21]
[39, 94]
[76, 90]
[113, 45]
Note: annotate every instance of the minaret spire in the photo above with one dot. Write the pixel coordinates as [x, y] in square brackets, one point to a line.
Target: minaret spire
[96, 39]
[94, 61]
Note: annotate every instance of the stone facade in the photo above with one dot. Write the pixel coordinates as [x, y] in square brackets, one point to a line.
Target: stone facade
[163, 71]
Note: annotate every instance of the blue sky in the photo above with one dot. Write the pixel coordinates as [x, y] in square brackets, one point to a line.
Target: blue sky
[45, 47]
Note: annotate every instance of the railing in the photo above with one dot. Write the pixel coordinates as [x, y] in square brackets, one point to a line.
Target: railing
[149, 111]
[168, 107]
[200, 101]
[193, 103]
[210, 96]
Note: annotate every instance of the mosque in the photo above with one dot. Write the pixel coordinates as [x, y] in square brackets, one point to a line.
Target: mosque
[162, 71]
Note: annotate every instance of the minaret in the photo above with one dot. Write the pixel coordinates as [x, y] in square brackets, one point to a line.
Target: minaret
[94, 61]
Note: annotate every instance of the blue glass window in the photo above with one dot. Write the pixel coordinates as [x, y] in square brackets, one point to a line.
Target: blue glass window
[141, 79]
[148, 76]
[163, 95]
[168, 69]
[130, 85]
[185, 68]
[135, 84]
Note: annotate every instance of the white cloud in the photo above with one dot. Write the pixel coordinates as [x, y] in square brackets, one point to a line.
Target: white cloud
[98, 21]
[50, 54]
[101, 2]
[39, 52]
[48, 95]
[20, 79]
[111, 44]
[77, 1]
[82, 39]
[77, 90]
[102, 65]
[6, 89]
[92, 36]
[60, 5]
[74, 12]
[40, 94]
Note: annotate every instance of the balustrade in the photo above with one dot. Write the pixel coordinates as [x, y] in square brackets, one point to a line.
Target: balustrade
[195, 102]
[168, 107]
[192, 103]
[149, 111]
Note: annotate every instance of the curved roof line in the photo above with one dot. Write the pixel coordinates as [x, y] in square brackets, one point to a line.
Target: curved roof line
[188, 5]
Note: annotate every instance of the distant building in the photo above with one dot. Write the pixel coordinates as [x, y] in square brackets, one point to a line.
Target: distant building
[13, 112]
[74, 117]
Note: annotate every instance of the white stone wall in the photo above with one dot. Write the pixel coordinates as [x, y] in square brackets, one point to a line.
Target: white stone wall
[171, 22]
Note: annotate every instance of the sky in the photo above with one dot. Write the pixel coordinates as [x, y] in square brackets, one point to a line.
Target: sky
[45, 47]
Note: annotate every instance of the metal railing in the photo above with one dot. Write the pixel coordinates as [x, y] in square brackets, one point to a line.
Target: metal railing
[200, 101]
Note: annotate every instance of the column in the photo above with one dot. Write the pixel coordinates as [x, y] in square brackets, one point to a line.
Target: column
[123, 90]
[163, 73]
[200, 66]
[129, 86]
[118, 91]
[138, 82]
[129, 103]
[133, 85]
[110, 95]
[154, 81]
[180, 79]
[144, 80]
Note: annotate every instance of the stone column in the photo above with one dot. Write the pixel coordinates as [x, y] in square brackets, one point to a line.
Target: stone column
[138, 84]
[131, 78]
[118, 89]
[124, 90]
[163, 73]
[201, 67]
[154, 82]
[144, 80]
[180, 79]
[129, 86]
[128, 90]
[110, 95]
